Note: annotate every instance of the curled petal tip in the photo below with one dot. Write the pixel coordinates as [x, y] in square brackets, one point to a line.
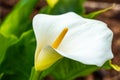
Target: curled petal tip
[114, 66]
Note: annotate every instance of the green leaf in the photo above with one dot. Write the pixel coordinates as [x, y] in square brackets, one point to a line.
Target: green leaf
[19, 58]
[18, 17]
[1, 75]
[67, 69]
[96, 13]
[13, 26]
[63, 6]
[106, 65]
[46, 10]
[72, 68]
[6, 41]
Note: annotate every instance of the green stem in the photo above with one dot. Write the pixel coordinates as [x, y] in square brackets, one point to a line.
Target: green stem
[35, 75]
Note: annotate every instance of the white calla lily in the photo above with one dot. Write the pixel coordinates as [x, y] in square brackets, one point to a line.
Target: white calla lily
[85, 40]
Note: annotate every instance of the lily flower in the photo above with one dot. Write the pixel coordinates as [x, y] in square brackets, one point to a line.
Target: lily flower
[72, 36]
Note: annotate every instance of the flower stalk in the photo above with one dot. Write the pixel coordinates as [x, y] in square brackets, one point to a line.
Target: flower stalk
[35, 75]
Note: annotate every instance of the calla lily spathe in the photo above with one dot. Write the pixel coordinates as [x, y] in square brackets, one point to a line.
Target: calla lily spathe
[86, 40]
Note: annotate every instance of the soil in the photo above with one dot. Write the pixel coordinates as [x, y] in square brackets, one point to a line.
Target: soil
[109, 1]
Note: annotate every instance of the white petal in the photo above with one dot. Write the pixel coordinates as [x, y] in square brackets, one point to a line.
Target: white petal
[48, 27]
[89, 43]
